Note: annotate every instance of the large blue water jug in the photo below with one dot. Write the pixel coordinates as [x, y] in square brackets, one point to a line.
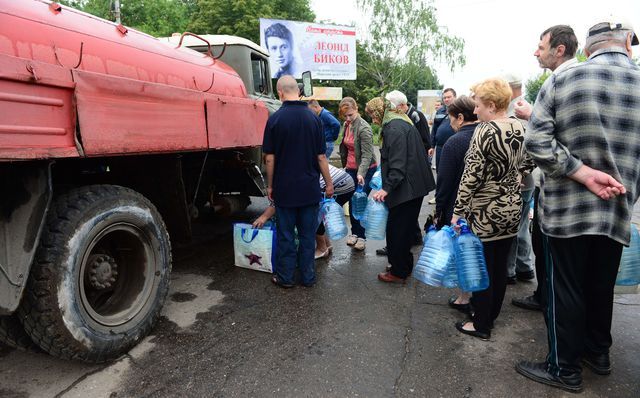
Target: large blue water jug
[472, 267]
[333, 218]
[437, 256]
[629, 271]
[376, 180]
[359, 202]
[430, 232]
[375, 220]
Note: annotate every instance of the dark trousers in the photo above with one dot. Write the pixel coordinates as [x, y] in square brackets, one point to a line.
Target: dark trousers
[305, 219]
[487, 303]
[581, 278]
[401, 235]
[538, 246]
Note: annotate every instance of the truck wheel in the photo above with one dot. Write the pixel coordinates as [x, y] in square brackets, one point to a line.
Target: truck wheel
[12, 334]
[100, 274]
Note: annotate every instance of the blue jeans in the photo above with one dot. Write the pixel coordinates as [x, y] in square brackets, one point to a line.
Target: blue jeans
[329, 149]
[305, 219]
[519, 259]
[356, 228]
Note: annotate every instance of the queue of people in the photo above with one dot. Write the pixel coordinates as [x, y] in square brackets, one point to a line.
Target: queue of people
[582, 134]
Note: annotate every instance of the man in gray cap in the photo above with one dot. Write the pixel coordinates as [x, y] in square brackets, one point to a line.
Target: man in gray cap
[585, 137]
[519, 262]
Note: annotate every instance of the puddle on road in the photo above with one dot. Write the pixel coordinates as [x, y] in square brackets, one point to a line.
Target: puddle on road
[188, 297]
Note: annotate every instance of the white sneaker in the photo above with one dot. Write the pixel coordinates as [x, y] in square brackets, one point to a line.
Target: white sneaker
[360, 244]
[352, 239]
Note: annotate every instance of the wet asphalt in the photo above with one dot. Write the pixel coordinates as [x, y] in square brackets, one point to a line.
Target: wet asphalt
[229, 332]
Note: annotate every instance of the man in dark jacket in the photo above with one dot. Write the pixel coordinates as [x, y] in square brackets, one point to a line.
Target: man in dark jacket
[330, 125]
[406, 179]
[420, 121]
[441, 126]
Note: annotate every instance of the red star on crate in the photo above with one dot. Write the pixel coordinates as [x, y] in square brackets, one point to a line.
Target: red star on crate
[253, 258]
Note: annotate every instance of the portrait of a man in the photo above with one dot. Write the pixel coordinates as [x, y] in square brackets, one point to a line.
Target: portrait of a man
[279, 42]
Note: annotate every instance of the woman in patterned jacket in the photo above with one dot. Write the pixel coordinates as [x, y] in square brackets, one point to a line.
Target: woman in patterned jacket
[489, 195]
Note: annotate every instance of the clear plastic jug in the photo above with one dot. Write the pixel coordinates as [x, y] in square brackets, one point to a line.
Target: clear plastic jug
[629, 271]
[375, 220]
[359, 203]
[436, 258]
[470, 261]
[333, 217]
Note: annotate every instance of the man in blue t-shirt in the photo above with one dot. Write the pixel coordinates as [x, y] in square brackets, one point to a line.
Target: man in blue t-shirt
[294, 148]
[330, 125]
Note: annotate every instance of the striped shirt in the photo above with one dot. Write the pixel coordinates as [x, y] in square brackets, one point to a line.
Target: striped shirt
[342, 182]
[588, 114]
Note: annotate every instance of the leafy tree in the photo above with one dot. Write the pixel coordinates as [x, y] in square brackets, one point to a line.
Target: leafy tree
[405, 32]
[154, 17]
[532, 87]
[241, 17]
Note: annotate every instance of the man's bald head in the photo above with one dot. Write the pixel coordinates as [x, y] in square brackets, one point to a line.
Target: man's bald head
[287, 88]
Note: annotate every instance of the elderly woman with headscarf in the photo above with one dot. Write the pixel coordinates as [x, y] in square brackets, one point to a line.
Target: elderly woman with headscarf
[406, 179]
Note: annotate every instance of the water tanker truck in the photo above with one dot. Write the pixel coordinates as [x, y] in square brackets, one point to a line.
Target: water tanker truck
[112, 143]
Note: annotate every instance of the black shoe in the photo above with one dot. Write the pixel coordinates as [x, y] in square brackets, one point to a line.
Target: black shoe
[511, 280]
[598, 363]
[528, 303]
[382, 252]
[525, 276]
[474, 333]
[539, 372]
[464, 308]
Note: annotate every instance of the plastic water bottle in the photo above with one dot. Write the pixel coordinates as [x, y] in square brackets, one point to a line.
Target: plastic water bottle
[375, 216]
[359, 203]
[376, 180]
[333, 218]
[629, 271]
[430, 232]
[436, 258]
[472, 267]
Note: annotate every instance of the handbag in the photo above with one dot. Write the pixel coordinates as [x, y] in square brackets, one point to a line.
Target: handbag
[254, 248]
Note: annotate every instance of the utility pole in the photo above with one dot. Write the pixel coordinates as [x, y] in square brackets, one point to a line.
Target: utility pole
[116, 11]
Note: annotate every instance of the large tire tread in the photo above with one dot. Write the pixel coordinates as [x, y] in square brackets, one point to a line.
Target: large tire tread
[38, 309]
[13, 335]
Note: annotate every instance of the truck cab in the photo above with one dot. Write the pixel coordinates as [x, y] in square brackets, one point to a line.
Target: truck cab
[247, 58]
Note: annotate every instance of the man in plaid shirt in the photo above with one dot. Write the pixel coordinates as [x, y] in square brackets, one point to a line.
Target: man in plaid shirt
[585, 137]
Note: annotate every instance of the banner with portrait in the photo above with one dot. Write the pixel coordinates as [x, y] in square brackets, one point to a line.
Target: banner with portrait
[328, 51]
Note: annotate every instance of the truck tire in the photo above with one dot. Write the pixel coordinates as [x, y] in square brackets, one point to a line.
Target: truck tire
[13, 335]
[100, 274]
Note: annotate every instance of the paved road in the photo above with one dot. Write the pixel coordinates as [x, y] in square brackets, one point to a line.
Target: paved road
[228, 332]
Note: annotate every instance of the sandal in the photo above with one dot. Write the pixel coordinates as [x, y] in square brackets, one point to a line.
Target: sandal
[279, 283]
[322, 255]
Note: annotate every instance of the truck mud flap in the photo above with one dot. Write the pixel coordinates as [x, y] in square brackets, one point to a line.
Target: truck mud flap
[24, 204]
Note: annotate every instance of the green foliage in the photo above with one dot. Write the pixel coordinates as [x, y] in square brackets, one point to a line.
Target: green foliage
[532, 87]
[581, 56]
[241, 17]
[404, 38]
[154, 17]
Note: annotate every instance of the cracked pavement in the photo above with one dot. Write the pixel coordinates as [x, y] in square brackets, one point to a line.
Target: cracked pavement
[228, 332]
